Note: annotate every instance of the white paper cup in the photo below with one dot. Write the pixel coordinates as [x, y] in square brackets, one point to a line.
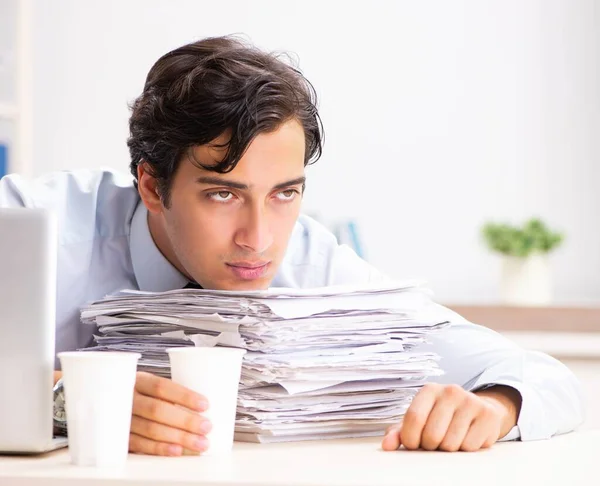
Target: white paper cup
[215, 374]
[99, 400]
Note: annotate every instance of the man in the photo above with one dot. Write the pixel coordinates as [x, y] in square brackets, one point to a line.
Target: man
[220, 138]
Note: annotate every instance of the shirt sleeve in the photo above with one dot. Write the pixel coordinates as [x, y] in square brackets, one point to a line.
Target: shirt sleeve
[476, 357]
[12, 193]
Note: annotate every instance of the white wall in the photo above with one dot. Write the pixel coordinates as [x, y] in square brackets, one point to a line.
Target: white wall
[438, 115]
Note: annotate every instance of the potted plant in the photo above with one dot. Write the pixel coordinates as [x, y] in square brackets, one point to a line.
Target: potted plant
[526, 278]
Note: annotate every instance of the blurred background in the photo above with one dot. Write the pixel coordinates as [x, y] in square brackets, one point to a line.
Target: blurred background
[440, 116]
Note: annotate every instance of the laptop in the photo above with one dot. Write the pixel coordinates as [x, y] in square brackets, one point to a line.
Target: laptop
[28, 260]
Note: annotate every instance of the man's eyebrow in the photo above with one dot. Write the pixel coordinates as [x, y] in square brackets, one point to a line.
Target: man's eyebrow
[293, 182]
[221, 182]
[239, 185]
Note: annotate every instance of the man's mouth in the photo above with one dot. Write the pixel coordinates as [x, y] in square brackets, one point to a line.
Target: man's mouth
[246, 270]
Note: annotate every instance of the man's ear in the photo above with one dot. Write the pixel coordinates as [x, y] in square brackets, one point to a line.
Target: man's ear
[148, 188]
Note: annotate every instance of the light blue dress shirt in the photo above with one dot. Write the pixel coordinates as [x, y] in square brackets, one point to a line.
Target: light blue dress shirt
[105, 245]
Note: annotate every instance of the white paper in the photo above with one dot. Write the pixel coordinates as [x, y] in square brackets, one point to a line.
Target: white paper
[321, 363]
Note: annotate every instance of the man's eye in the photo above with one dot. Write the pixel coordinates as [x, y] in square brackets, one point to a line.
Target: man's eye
[287, 195]
[220, 196]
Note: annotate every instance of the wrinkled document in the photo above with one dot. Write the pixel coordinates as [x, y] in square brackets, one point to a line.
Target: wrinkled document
[330, 362]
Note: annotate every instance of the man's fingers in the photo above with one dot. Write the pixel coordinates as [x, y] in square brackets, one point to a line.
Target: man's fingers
[165, 434]
[143, 445]
[458, 429]
[391, 441]
[437, 424]
[416, 416]
[167, 390]
[483, 432]
[168, 414]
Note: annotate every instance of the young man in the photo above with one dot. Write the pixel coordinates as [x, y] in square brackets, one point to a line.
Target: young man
[220, 138]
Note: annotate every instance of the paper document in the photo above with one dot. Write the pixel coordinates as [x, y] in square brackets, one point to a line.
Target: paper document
[321, 363]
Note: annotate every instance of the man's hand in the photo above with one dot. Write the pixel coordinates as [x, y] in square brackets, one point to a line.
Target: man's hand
[449, 418]
[160, 424]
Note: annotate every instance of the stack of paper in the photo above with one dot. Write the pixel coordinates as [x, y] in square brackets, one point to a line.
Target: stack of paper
[330, 362]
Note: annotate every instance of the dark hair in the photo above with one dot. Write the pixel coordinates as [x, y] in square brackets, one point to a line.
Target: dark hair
[199, 91]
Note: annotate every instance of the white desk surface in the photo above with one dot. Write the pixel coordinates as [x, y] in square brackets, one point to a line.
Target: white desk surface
[570, 459]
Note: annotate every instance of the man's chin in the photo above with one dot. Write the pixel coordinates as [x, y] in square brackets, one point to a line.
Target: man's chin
[238, 284]
[263, 284]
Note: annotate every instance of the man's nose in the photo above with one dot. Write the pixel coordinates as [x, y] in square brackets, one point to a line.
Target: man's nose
[255, 233]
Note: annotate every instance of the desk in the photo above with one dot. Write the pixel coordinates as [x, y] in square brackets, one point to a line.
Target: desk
[571, 459]
[585, 319]
[562, 332]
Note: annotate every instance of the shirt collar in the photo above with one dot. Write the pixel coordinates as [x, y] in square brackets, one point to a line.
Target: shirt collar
[153, 272]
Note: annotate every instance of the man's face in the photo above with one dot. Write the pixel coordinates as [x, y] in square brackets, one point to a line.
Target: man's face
[230, 231]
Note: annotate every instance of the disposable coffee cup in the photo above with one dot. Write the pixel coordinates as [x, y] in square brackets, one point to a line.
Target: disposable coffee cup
[99, 400]
[213, 372]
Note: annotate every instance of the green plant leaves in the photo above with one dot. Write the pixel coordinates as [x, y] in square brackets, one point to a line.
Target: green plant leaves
[534, 236]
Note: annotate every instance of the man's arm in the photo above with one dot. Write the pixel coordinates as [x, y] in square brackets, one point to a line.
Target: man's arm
[492, 390]
[476, 357]
[508, 400]
[487, 377]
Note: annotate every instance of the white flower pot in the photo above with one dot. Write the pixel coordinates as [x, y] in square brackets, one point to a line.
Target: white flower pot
[526, 281]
